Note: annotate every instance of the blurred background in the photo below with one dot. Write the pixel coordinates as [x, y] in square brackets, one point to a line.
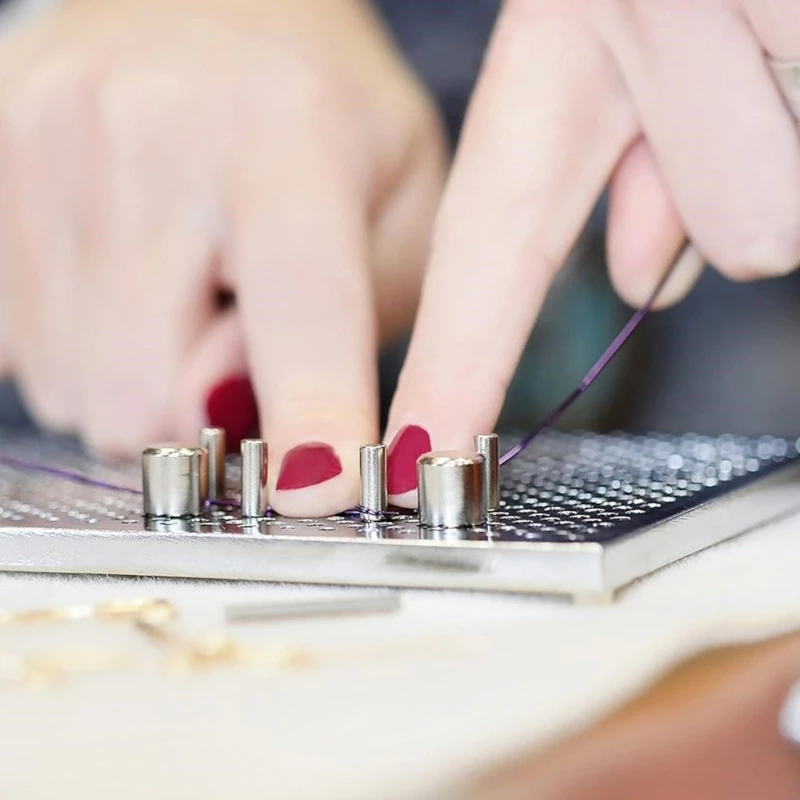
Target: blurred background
[726, 359]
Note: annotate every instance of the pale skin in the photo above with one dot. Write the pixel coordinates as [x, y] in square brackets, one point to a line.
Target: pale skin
[153, 153]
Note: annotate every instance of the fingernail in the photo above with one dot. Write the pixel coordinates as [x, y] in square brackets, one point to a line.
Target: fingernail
[231, 405]
[308, 465]
[401, 460]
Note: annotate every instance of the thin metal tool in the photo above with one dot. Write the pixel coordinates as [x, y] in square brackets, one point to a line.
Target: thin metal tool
[175, 481]
[213, 440]
[488, 445]
[381, 603]
[451, 491]
[374, 501]
[255, 472]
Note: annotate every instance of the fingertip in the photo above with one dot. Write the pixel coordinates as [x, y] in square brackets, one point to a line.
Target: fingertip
[230, 404]
[645, 234]
[314, 479]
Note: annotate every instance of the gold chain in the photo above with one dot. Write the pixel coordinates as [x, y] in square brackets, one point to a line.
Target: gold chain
[153, 617]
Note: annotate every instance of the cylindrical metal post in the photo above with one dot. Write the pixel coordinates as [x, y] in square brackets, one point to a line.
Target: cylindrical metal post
[174, 481]
[451, 493]
[488, 445]
[255, 472]
[213, 440]
[374, 501]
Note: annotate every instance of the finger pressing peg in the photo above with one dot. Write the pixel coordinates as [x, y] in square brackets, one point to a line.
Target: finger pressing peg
[374, 501]
[451, 490]
[255, 502]
[174, 481]
[488, 445]
[213, 440]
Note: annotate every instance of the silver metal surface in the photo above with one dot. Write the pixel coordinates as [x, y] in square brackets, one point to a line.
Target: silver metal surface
[213, 441]
[174, 481]
[580, 515]
[384, 602]
[451, 490]
[374, 500]
[255, 474]
[488, 445]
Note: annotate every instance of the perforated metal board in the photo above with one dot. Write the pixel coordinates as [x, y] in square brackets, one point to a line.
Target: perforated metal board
[581, 515]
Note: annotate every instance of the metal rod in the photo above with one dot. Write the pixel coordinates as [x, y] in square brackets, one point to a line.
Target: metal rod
[374, 501]
[255, 472]
[488, 445]
[213, 440]
[322, 607]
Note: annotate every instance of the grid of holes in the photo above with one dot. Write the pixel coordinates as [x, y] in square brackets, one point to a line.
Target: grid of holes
[573, 487]
[567, 487]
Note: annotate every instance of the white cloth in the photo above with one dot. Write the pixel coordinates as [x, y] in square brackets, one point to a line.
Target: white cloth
[447, 686]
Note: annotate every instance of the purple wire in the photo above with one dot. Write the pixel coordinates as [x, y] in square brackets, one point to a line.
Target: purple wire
[604, 360]
[65, 474]
[622, 337]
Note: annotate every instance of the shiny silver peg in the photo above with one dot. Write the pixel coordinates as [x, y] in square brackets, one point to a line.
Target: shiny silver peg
[451, 491]
[374, 501]
[213, 441]
[255, 472]
[488, 445]
[174, 481]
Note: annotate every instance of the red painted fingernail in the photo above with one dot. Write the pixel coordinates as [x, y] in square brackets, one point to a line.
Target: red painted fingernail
[307, 465]
[231, 405]
[401, 461]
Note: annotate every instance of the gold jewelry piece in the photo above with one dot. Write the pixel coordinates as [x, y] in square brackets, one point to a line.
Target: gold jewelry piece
[153, 618]
[129, 609]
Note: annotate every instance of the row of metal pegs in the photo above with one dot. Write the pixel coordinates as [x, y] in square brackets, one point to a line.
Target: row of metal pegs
[456, 489]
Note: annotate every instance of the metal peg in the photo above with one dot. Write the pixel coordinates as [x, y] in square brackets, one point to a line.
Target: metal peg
[213, 440]
[451, 492]
[174, 481]
[255, 501]
[488, 445]
[374, 501]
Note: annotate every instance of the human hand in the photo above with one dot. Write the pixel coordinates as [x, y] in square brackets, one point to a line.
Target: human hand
[710, 727]
[157, 155]
[675, 105]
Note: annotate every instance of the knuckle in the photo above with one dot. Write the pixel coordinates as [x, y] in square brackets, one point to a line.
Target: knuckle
[772, 252]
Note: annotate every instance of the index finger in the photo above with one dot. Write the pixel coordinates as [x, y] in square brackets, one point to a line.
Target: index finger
[550, 120]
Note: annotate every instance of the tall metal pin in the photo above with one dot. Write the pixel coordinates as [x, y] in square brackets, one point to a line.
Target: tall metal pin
[213, 440]
[488, 445]
[255, 472]
[374, 501]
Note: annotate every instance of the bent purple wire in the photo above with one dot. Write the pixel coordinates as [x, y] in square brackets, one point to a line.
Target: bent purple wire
[601, 363]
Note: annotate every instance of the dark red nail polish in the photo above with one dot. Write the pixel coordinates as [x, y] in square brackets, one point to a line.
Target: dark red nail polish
[401, 462]
[307, 465]
[231, 405]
